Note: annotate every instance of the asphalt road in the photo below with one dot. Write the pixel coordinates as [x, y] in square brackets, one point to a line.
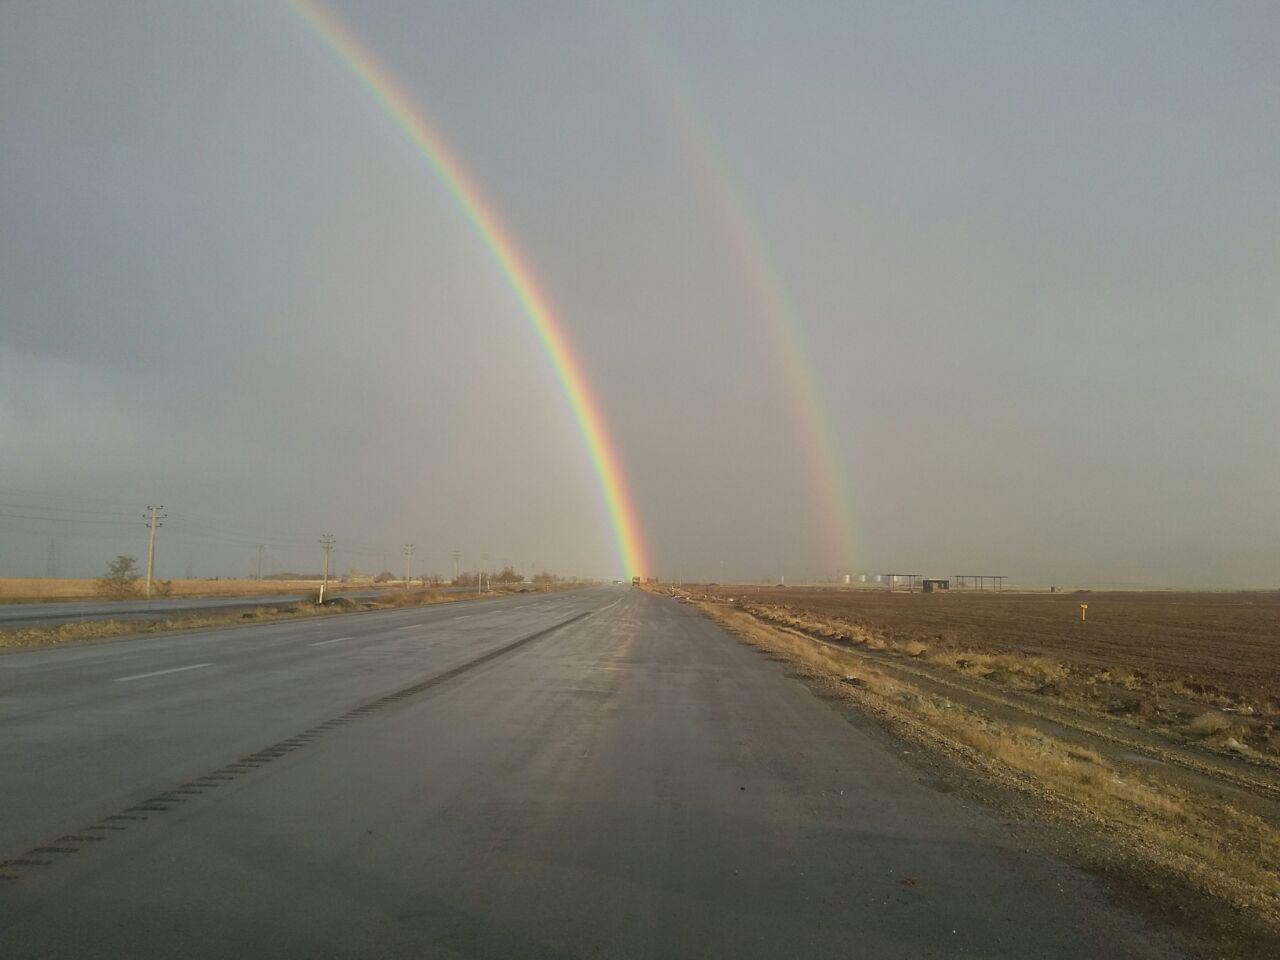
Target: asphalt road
[15, 616]
[585, 774]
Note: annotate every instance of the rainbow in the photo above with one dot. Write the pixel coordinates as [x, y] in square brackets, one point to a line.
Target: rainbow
[551, 332]
[826, 480]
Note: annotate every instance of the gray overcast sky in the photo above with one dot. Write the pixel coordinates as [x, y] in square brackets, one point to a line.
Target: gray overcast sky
[1034, 254]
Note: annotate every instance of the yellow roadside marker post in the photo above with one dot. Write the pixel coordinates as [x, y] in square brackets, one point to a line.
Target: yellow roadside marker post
[1083, 608]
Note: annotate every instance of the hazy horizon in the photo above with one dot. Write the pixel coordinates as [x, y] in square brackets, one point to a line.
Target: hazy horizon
[1031, 255]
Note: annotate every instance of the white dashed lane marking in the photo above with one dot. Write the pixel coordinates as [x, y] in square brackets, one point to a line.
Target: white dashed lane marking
[321, 643]
[161, 673]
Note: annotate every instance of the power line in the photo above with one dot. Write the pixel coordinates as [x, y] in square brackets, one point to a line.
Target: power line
[28, 512]
[24, 504]
[46, 495]
[44, 508]
[25, 516]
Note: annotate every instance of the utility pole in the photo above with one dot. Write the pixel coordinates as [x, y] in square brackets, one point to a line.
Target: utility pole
[152, 522]
[326, 542]
[456, 555]
[408, 558]
[260, 548]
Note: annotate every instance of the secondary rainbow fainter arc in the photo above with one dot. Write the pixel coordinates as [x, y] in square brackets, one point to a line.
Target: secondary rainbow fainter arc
[831, 493]
[502, 247]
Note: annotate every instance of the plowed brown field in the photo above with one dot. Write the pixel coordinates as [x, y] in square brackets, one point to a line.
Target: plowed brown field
[1228, 643]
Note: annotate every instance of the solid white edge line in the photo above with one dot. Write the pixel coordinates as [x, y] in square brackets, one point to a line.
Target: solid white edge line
[411, 626]
[161, 673]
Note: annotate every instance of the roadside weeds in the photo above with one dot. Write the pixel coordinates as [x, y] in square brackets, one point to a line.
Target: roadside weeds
[100, 629]
[1188, 708]
[1197, 858]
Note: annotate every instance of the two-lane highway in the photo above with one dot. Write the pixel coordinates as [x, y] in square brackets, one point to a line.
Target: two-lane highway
[96, 724]
[596, 773]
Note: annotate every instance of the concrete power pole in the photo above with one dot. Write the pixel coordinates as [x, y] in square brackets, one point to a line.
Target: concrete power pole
[456, 555]
[152, 522]
[408, 559]
[326, 542]
[260, 548]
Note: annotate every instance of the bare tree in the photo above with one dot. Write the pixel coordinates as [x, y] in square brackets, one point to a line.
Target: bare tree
[120, 582]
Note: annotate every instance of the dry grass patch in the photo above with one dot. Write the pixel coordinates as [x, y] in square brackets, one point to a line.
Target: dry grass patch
[36, 589]
[1121, 677]
[1158, 705]
[99, 629]
[1220, 650]
[1154, 828]
[1006, 668]
[1208, 725]
[417, 598]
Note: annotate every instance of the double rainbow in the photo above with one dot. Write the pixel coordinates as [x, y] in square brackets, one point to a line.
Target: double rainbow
[829, 489]
[550, 330]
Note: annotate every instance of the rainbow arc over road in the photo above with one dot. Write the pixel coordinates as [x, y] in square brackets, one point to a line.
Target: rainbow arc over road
[550, 330]
[830, 493]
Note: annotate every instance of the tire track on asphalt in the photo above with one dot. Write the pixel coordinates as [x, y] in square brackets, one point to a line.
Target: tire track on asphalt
[57, 850]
